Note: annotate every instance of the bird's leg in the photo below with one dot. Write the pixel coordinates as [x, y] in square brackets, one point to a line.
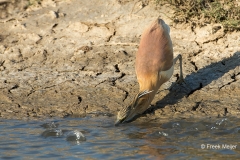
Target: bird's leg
[180, 80]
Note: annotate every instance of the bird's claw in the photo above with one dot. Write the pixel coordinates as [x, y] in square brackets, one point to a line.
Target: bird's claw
[180, 80]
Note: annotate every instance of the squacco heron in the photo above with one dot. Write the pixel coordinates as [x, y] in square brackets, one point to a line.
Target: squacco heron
[154, 66]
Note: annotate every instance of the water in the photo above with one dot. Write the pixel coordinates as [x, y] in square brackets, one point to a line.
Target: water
[98, 138]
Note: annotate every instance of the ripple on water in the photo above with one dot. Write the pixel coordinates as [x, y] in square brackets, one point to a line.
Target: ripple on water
[75, 135]
[52, 133]
[52, 130]
[89, 138]
[50, 125]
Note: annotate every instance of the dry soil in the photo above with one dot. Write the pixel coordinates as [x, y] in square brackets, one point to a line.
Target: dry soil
[76, 58]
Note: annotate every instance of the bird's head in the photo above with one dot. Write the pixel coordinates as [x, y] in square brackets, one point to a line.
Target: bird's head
[138, 106]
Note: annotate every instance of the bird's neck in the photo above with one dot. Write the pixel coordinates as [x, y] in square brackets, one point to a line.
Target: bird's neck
[149, 83]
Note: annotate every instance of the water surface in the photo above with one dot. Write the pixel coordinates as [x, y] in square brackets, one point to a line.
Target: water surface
[98, 138]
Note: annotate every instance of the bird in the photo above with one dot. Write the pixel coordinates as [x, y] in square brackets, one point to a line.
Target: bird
[154, 65]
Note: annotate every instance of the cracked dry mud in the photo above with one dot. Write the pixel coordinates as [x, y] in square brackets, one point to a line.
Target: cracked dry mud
[63, 58]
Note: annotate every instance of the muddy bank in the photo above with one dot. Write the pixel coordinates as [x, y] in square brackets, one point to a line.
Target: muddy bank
[63, 58]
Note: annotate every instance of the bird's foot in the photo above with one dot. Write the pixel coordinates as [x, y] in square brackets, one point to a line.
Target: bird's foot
[180, 80]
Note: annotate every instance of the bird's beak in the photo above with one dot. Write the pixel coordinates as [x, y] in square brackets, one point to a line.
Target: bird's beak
[118, 121]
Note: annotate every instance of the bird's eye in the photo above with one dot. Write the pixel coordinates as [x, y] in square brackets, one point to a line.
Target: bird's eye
[141, 101]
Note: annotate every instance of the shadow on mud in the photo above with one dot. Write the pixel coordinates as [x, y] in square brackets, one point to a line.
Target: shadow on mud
[198, 80]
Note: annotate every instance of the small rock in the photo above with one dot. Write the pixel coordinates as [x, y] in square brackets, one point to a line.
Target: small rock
[78, 27]
[46, 3]
[53, 14]
[2, 49]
